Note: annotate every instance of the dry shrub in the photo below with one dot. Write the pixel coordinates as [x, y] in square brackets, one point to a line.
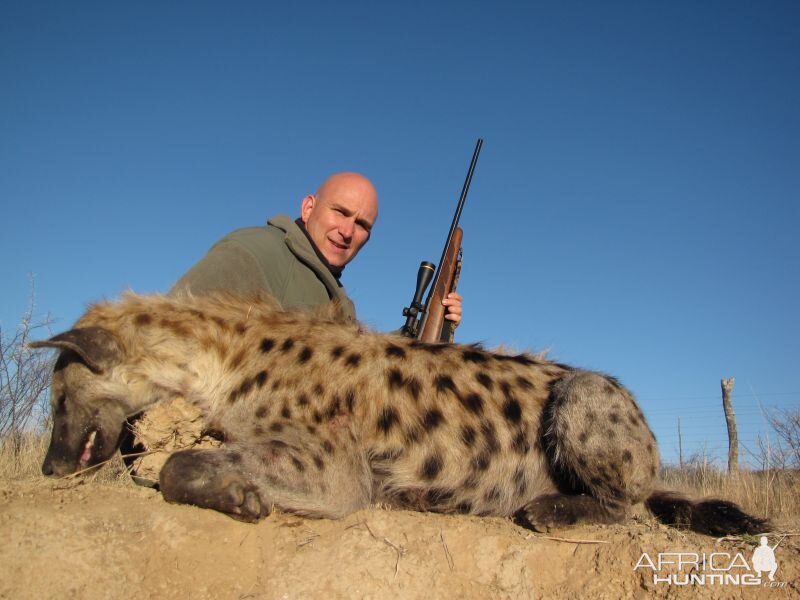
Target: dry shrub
[21, 457]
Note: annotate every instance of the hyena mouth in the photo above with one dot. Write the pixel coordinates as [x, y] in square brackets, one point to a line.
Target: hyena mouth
[83, 461]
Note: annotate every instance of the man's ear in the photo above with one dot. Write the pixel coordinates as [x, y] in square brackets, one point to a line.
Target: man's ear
[97, 347]
[306, 207]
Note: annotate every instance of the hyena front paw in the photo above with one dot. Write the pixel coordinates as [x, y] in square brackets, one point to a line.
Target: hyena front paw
[203, 478]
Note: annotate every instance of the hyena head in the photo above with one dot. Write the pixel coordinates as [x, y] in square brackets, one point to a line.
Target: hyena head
[90, 402]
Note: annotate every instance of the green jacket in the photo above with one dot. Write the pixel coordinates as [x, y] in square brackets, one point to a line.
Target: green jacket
[277, 258]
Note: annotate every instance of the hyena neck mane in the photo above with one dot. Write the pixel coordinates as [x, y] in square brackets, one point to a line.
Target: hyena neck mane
[197, 346]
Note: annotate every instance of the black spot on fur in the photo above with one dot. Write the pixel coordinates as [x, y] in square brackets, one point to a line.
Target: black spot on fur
[287, 345]
[262, 411]
[317, 417]
[286, 413]
[520, 443]
[437, 496]
[627, 456]
[520, 359]
[143, 319]
[311, 429]
[414, 387]
[305, 355]
[327, 446]
[444, 383]
[302, 400]
[613, 417]
[352, 360]
[474, 403]
[485, 381]
[337, 351]
[464, 508]
[524, 383]
[267, 345]
[468, 435]
[261, 378]
[474, 356]
[512, 411]
[430, 348]
[276, 427]
[240, 328]
[430, 468]
[387, 419]
[472, 481]
[245, 387]
[483, 461]
[393, 351]
[235, 457]
[319, 391]
[334, 407]
[490, 436]
[298, 464]
[350, 399]
[583, 437]
[395, 378]
[318, 462]
[432, 419]
[492, 495]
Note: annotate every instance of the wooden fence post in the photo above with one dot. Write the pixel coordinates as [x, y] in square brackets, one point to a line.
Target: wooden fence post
[730, 419]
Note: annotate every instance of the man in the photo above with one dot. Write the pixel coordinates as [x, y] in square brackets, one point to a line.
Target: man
[299, 262]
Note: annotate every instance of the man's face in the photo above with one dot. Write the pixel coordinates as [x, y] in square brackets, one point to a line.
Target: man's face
[340, 216]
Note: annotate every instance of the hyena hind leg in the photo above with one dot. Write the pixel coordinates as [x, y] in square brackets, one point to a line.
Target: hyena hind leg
[212, 479]
[601, 454]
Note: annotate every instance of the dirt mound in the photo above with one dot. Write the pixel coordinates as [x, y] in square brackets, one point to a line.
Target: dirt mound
[73, 538]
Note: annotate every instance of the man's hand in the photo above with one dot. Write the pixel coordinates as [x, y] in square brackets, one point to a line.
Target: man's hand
[454, 310]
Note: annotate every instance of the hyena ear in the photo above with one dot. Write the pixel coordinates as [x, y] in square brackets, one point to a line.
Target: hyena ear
[97, 347]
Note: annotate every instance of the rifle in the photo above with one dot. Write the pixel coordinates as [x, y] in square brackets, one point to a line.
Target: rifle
[426, 322]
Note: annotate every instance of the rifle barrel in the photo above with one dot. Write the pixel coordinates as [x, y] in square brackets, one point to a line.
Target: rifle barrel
[457, 216]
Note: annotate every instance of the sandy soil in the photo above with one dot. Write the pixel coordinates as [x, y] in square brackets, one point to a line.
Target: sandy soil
[74, 538]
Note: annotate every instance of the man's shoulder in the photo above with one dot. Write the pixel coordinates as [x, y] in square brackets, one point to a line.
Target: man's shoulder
[260, 237]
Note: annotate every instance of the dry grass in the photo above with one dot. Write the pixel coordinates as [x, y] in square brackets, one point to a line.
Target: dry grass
[774, 493]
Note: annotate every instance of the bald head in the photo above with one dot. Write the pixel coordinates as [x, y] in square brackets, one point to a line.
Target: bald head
[340, 216]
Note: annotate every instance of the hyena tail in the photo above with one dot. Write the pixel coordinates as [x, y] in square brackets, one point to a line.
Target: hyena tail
[710, 516]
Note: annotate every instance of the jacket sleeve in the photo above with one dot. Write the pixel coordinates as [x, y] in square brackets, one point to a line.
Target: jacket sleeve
[228, 266]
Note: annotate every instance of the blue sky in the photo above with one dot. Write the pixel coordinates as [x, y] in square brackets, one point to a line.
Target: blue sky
[634, 210]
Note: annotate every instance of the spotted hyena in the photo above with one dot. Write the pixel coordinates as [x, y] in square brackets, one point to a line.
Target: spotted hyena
[322, 418]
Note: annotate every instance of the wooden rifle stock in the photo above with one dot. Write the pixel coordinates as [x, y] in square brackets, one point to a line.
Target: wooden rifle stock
[426, 322]
[434, 322]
